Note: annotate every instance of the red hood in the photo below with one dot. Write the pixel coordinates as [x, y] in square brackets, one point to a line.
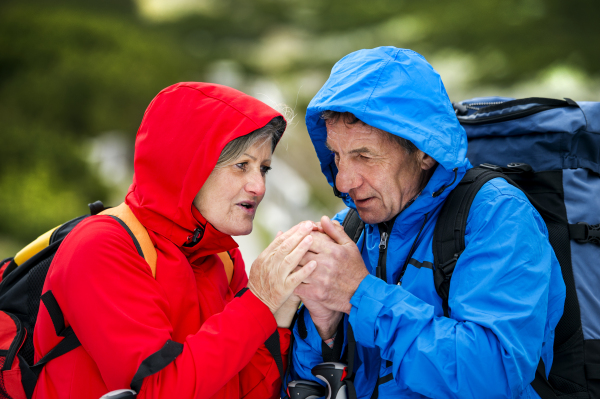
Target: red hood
[182, 134]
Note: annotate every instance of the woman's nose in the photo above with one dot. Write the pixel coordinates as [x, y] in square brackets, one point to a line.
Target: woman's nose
[256, 184]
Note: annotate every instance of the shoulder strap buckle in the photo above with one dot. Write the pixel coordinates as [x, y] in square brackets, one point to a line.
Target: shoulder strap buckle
[584, 233]
[491, 167]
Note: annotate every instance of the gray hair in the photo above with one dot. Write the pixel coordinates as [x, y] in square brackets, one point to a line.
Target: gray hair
[235, 148]
[350, 119]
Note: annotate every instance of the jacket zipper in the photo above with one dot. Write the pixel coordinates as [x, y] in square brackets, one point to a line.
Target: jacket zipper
[474, 106]
[381, 271]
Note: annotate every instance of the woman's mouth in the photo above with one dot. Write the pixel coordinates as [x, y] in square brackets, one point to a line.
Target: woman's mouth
[247, 206]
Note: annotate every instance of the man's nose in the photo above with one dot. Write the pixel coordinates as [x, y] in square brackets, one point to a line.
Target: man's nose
[347, 178]
[255, 184]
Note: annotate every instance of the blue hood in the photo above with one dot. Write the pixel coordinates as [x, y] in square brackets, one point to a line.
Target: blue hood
[395, 90]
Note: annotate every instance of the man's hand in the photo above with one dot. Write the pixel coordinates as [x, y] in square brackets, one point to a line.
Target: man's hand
[340, 269]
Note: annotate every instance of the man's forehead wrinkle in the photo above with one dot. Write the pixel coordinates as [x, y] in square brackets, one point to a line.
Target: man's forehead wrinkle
[360, 150]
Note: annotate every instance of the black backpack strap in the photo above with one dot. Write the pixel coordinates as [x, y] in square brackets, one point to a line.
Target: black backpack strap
[128, 230]
[156, 362]
[353, 227]
[449, 243]
[274, 347]
[69, 341]
[449, 233]
[541, 384]
[352, 224]
[351, 369]
[297, 317]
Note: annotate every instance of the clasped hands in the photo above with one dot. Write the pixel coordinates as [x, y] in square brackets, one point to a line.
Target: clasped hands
[313, 262]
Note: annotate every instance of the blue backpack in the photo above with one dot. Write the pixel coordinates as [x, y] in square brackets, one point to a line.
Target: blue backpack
[551, 150]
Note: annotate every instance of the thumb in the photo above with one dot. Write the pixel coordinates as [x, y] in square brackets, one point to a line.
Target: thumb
[335, 231]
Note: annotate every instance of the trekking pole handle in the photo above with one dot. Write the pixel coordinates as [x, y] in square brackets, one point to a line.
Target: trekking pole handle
[303, 389]
[333, 374]
[120, 394]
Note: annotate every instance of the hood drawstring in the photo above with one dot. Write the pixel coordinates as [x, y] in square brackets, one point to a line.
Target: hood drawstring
[412, 250]
[195, 238]
[441, 190]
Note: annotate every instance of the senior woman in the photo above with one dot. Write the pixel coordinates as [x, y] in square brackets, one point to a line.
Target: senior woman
[201, 156]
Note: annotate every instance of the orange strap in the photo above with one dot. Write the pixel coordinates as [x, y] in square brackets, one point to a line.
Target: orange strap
[228, 264]
[123, 212]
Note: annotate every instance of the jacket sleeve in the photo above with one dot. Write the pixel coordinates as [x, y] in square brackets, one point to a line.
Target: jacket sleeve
[306, 353]
[499, 300]
[260, 379]
[121, 317]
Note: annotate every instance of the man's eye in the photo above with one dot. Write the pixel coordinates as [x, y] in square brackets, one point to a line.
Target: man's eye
[361, 156]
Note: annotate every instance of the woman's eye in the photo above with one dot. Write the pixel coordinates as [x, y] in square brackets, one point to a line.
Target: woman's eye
[241, 165]
[265, 169]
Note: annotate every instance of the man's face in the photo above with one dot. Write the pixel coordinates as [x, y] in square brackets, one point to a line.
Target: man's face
[379, 174]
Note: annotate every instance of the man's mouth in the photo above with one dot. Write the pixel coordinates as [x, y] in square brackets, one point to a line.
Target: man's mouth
[363, 201]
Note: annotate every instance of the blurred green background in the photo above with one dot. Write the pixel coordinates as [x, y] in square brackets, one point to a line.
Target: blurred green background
[76, 77]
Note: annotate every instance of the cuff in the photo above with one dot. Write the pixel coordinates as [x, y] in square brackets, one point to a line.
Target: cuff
[284, 339]
[258, 313]
[366, 306]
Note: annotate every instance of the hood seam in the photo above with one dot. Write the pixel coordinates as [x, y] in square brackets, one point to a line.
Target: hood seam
[375, 85]
[226, 103]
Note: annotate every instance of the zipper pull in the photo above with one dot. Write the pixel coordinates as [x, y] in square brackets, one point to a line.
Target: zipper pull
[383, 242]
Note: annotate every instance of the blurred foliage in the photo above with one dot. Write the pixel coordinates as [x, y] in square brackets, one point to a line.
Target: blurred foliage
[73, 70]
[67, 74]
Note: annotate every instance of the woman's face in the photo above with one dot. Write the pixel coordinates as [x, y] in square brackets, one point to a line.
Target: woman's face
[229, 197]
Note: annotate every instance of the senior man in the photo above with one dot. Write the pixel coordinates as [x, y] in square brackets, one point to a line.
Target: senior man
[390, 144]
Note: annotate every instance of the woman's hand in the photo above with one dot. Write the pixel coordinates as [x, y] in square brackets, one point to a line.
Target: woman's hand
[285, 314]
[272, 276]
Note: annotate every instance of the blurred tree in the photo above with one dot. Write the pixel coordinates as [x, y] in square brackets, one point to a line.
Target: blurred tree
[72, 70]
[67, 74]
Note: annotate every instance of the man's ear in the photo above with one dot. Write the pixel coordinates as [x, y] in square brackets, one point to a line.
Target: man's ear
[427, 162]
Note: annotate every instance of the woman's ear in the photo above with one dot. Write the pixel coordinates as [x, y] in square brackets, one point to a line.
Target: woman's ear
[427, 162]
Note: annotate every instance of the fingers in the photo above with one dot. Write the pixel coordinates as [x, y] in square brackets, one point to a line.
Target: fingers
[299, 276]
[322, 243]
[319, 227]
[307, 258]
[293, 258]
[335, 231]
[280, 238]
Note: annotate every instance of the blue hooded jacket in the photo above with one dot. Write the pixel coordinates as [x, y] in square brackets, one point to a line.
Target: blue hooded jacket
[507, 292]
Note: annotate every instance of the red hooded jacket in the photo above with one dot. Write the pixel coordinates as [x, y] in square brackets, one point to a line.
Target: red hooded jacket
[121, 313]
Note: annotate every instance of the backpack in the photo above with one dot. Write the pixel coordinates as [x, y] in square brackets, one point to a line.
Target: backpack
[551, 149]
[559, 143]
[21, 290]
